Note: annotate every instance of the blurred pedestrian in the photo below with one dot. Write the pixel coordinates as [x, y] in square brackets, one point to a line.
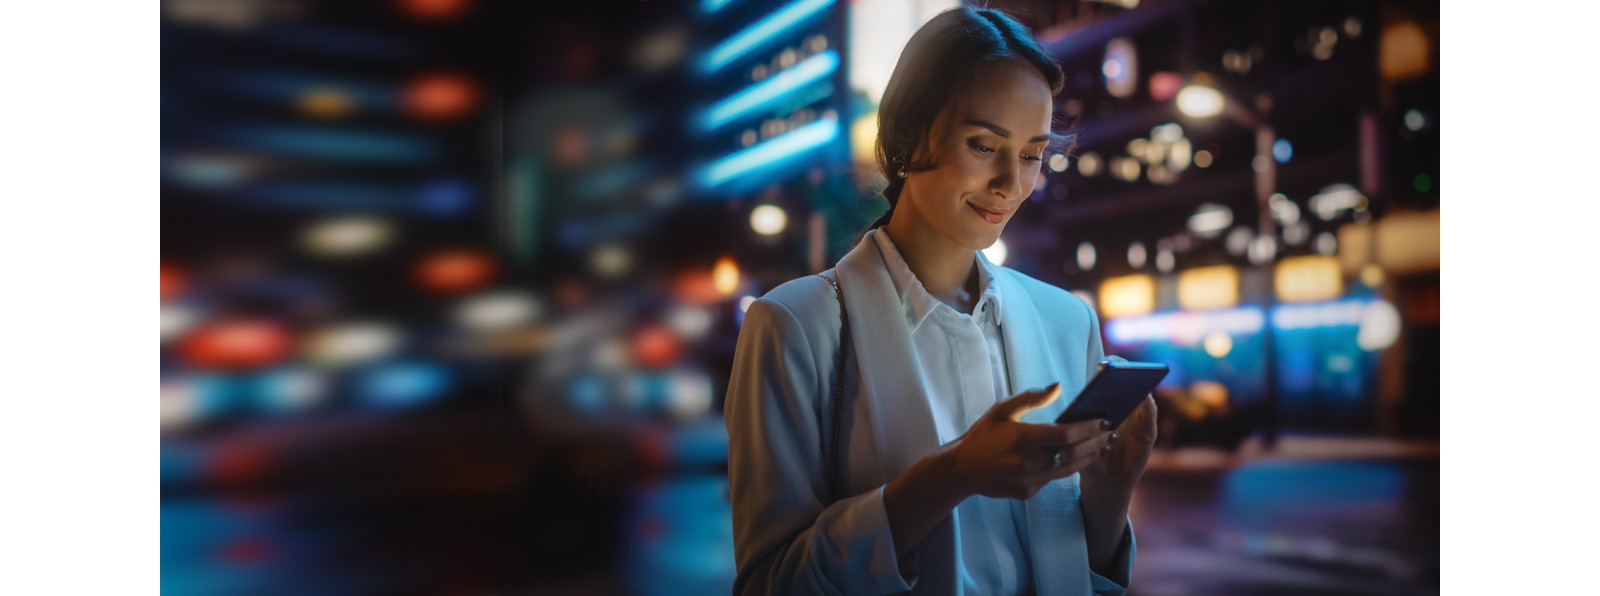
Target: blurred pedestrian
[873, 448]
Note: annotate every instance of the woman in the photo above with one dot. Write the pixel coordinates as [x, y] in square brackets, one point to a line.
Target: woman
[950, 478]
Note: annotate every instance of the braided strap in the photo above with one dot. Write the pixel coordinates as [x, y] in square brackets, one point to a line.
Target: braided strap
[838, 387]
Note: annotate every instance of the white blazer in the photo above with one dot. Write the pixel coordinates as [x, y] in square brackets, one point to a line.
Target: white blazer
[789, 534]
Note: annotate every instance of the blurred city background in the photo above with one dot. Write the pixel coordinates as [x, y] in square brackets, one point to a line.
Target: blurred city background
[450, 289]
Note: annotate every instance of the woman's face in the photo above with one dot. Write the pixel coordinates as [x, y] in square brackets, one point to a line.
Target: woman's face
[988, 148]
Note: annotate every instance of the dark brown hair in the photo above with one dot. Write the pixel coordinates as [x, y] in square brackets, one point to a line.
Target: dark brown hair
[934, 62]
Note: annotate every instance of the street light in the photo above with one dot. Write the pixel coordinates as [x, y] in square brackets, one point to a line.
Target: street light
[1199, 101]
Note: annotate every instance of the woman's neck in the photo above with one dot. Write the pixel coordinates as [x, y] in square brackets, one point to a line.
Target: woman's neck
[947, 271]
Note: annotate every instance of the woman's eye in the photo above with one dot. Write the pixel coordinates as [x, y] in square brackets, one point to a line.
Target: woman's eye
[1033, 157]
[980, 148]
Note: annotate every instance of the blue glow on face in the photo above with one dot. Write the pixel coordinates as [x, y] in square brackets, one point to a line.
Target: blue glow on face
[762, 31]
[1282, 150]
[760, 94]
[793, 142]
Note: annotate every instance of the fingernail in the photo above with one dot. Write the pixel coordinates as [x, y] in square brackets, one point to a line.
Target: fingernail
[1105, 425]
[1111, 439]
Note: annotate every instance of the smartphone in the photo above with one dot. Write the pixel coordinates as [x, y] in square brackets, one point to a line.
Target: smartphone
[1115, 391]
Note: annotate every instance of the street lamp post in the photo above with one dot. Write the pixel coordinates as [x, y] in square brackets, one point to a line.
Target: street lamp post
[1202, 101]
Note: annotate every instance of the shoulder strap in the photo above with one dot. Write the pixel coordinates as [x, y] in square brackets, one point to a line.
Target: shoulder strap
[838, 386]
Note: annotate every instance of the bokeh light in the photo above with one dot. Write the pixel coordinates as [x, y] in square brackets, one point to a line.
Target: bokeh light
[236, 344]
[768, 220]
[1199, 101]
[996, 253]
[441, 96]
[454, 271]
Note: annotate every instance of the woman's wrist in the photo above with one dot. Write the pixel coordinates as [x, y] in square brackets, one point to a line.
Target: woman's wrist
[1099, 490]
[920, 498]
[936, 478]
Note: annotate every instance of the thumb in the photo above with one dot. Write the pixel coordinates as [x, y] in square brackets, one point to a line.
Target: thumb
[1019, 404]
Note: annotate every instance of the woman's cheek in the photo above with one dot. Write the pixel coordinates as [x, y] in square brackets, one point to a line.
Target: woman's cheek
[968, 173]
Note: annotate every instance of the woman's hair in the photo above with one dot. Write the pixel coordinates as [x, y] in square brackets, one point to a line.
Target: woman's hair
[931, 67]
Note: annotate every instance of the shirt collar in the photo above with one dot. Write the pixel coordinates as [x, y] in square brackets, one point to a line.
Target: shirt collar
[990, 291]
[915, 300]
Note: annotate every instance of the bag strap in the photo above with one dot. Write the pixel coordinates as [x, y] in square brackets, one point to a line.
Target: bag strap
[838, 386]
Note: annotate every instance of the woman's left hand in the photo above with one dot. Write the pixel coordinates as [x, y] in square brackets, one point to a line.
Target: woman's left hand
[1121, 469]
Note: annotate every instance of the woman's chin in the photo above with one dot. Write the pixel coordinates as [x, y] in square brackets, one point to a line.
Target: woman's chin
[982, 239]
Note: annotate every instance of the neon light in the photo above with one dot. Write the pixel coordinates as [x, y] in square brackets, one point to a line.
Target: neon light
[710, 6]
[762, 31]
[1176, 325]
[760, 94]
[335, 144]
[1320, 315]
[785, 145]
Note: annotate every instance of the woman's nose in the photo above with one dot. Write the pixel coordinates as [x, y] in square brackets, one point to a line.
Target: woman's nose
[1008, 183]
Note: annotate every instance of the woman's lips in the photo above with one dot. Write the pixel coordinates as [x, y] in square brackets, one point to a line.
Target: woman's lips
[988, 215]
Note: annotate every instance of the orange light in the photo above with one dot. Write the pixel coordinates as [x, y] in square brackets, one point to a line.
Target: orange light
[697, 287]
[441, 96]
[655, 347]
[325, 103]
[1404, 52]
[235, 345]
[172, 282]
[725, 275]
[1210, 393]
[434, 10]
[1208, 288]
[455, 271]
[1127, 296]
[1308, 278]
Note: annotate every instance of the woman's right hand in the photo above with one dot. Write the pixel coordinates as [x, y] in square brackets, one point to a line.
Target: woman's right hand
[1001, 457]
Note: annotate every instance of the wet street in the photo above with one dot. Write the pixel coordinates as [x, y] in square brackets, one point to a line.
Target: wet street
[1316, 517]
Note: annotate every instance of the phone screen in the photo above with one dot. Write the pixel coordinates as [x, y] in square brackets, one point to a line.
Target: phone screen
[1114, 392]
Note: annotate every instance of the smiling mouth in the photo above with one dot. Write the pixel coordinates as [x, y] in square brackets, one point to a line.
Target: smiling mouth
[988, 215]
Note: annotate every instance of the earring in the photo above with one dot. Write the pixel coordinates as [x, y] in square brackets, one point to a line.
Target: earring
[902, 172]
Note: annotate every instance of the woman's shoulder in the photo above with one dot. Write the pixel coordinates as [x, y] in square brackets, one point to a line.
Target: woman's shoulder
[809, 299]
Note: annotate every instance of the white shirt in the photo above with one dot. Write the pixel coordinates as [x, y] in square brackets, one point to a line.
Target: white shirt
[963, 372]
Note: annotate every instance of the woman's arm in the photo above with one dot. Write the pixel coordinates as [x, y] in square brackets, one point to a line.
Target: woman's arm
[920, 498]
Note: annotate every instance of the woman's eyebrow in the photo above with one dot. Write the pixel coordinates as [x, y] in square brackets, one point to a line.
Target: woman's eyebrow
[1003, 132]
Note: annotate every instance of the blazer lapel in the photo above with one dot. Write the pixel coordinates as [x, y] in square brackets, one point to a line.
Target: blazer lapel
[1054, 521]
[880, 341]
[1031, 360]
[891, 389]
